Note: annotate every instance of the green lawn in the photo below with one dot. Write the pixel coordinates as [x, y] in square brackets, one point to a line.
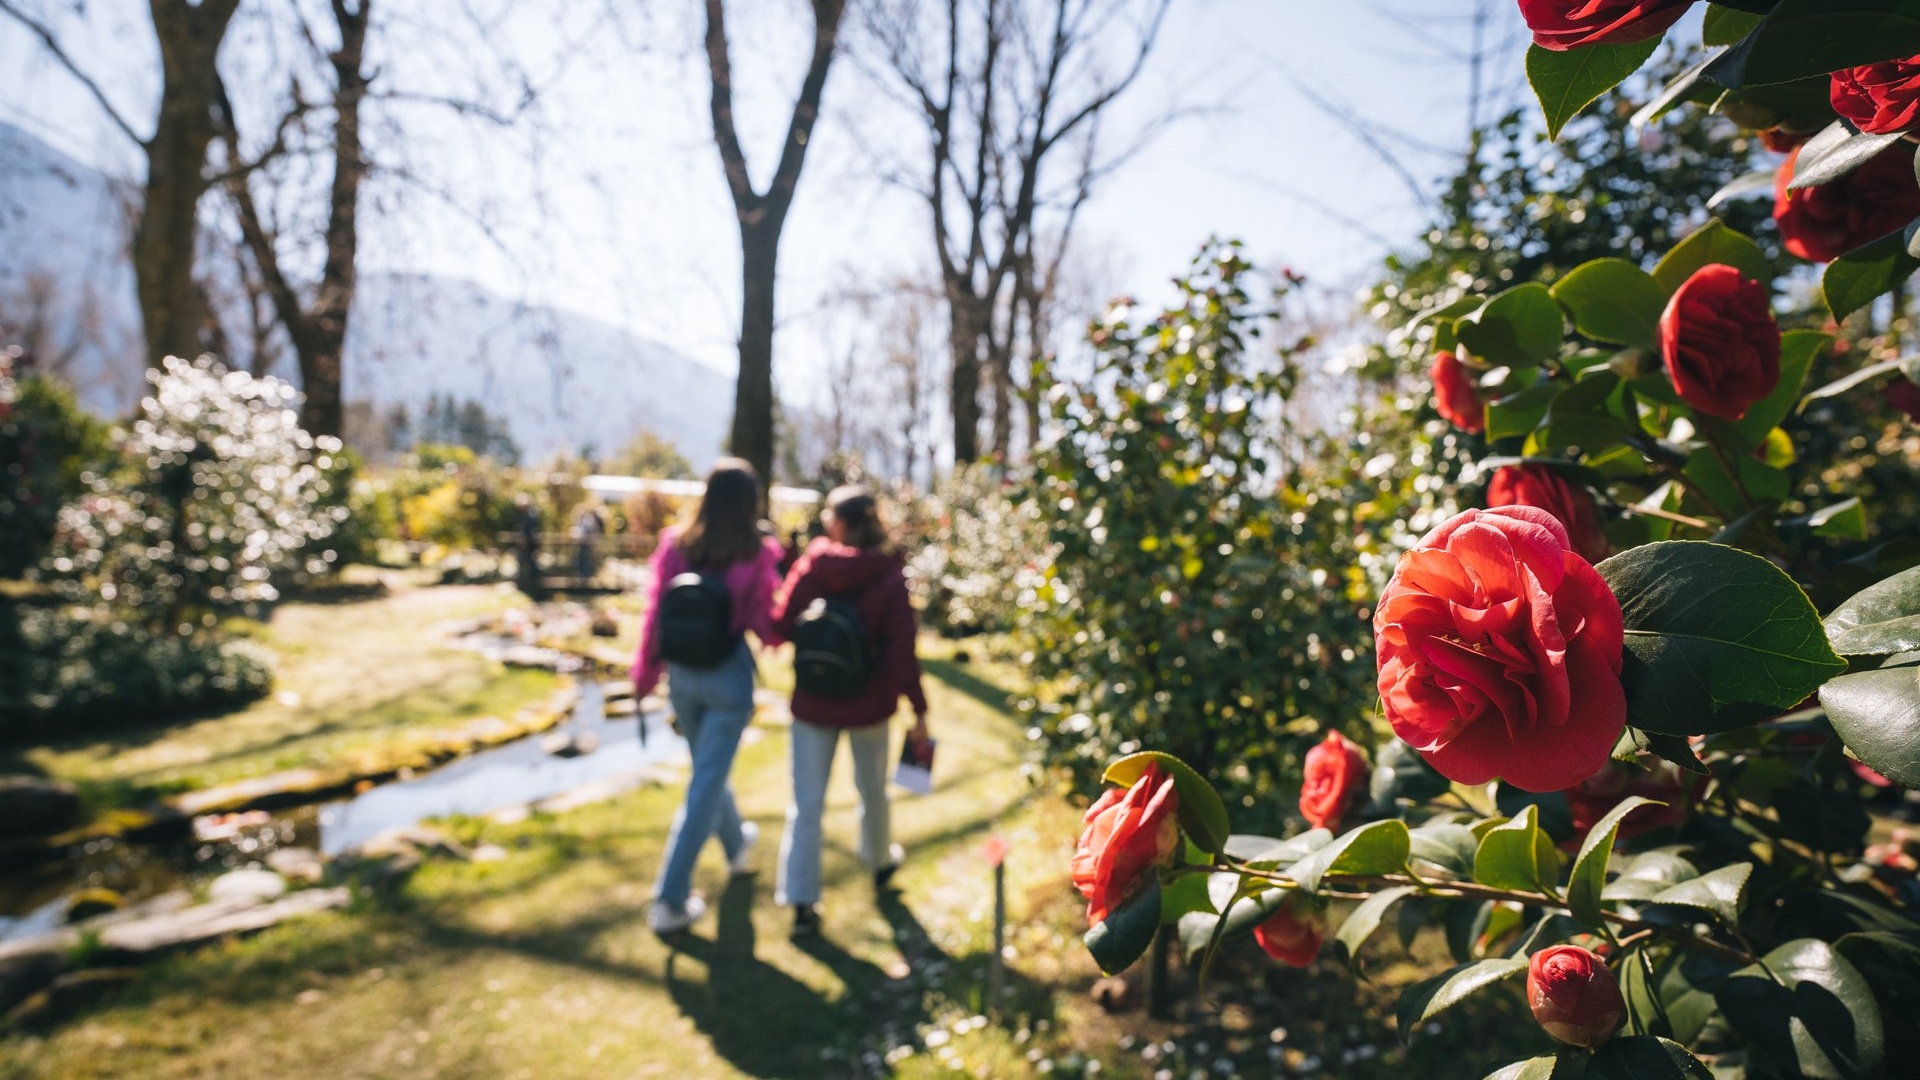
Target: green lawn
[352, 677]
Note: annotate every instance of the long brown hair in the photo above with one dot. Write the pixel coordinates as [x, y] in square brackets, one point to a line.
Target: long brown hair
[727, 528]
[855, 508]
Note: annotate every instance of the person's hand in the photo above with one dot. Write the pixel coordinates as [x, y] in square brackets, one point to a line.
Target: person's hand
[919, 732]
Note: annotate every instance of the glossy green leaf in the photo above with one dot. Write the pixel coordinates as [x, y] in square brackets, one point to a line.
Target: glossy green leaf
[1805, 1009]
[1202, 815]
[1519, 327]
[1378, 847]
[1127, 931]
[1427, 999]
[1797, 350]
[1613, 300]
[1836, 151]
[1882, 618]
[1399, 772]
[1761, 482]
[1723, 25]
[1567, 82]
[1266, 852]
[1520, 412]
[1648, 874]
[1717, 891]
[1446, 845]
[1645, 1057]
[1712, 243]
[1687, 86]
[1590, 866]
[1844, 520]
[1748, 185]
[1184, 895]
[1910, 365]
[1865, 274]
[1802, 38]
[1366, 918]
[1716, 638]
[1877, 715]
[1517, 855]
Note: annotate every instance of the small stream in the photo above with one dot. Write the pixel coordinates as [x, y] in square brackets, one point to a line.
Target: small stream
[33, 899]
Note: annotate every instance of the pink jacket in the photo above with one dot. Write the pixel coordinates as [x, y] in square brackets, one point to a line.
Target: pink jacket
[752, 585]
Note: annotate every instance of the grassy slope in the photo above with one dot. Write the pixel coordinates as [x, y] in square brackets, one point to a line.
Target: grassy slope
[352, 676]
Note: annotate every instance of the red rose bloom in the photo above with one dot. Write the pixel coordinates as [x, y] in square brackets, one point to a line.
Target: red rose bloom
[1878, 98]
[1499, 652]
[1823, 223]
[1721, 343]
[1903, 394]
[1573, 996]
[1336, 775]
[1128, 834]
[1565, 24]
[1455, 395]
[1541, 486]
[1289, 937]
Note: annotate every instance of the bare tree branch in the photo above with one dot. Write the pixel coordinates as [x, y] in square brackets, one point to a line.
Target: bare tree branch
[51, 43]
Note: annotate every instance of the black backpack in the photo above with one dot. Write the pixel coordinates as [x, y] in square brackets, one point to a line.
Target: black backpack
[696, 621]
[830, 656]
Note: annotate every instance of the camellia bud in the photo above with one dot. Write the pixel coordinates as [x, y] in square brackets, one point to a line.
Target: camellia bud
[1574, 996]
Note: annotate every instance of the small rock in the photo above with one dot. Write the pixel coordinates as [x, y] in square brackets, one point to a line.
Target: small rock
[617, 689]
[625, 706]
[309, 997]
[569, 744]
[486, 853]
[258, 886]
[301, 865]
[605, 625]
[87, 903]
[36, 806]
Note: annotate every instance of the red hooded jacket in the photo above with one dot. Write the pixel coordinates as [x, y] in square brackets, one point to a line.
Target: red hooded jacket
[875, 583]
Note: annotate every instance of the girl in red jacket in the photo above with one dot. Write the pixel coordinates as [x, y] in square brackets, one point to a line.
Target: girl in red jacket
[854, 566]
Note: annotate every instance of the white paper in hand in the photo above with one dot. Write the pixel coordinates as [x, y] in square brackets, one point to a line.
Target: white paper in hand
[915, 771]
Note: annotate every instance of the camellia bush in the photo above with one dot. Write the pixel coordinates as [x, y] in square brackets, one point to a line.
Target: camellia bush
[977, 551]
[1645, 697]
[1182, 603]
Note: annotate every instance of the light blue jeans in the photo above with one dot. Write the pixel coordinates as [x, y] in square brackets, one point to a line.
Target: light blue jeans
[813, 752]
[713, 707]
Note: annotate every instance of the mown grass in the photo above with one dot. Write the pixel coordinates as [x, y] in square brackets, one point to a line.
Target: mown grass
[541, 965]
[352, 677]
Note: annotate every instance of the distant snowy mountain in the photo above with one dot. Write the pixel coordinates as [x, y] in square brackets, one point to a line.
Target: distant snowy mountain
[564, 381]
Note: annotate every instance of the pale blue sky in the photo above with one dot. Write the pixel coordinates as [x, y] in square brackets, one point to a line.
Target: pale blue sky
[624, 215]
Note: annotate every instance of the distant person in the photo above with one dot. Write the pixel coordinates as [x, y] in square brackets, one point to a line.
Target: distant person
[845, 607]
[526, 531]
[588, 528]
[712, 582]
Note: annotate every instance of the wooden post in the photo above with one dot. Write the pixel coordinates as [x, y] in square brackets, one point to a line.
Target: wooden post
[995, 851]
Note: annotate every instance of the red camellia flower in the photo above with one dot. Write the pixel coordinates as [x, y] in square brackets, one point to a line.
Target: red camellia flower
[1541, 486]
[1721, 343]
[1499, 652]
[1290, 935]
[1879, 98]
[1129, 833]
[1336, 776]
[1903, 394]
[1823, 223]
[1573, 995]
[1455, 395]
[1565, 24]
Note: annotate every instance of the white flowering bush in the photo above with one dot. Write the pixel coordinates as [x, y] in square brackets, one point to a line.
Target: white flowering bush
[979, 551]
[216, 491]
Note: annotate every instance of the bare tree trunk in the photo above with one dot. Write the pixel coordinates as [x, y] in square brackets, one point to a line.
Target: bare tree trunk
[761, 216]
[964, 342]
[189, 36]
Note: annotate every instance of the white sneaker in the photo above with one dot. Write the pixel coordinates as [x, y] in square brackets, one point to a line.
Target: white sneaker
[742, 862]
[667, 919]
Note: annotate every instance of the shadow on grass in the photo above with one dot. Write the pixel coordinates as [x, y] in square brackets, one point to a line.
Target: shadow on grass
[765, 1022]
[991, 695]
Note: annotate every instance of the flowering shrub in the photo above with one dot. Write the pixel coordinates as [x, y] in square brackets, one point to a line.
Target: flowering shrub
[977, 552]
[1660, 763]
[1197, 593]
[215, 490]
